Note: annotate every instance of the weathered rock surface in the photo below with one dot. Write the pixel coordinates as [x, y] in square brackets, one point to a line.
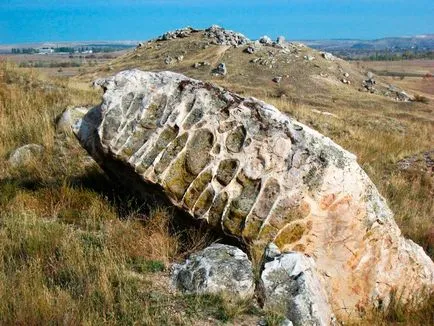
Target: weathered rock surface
[292, 287]
[221, 36]
[244, 167]
[25, 154]
[217, 269]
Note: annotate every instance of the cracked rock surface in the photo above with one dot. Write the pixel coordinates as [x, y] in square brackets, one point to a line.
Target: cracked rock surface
[291, 286]
[217, 269]
[256, 174]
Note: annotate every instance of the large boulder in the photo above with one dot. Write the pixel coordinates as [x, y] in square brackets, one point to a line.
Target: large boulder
[249, 170]
[217, 269]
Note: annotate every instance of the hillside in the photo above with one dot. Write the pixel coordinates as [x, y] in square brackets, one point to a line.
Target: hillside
[307, 75]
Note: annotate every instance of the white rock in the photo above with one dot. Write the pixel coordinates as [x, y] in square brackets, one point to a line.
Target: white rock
[292, 287]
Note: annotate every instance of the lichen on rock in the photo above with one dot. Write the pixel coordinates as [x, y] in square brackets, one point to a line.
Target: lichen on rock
[257, 175]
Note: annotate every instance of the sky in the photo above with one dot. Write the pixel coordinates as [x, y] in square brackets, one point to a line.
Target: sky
[24, 21]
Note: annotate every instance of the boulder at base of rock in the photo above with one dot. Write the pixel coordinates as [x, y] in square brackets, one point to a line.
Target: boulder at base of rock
[25, 154]
[292, 287]
[256, 174]
[217, 269]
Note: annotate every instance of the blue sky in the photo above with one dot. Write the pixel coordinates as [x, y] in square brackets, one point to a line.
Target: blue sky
[76, 20]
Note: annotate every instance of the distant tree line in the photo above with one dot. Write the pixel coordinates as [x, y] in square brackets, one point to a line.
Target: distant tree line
[24, 50]
[389, 56]
[71, 50]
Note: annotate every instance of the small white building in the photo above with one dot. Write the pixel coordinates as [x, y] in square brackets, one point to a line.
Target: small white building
[46, 50]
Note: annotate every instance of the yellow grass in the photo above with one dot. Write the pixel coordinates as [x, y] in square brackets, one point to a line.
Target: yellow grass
[74, 250]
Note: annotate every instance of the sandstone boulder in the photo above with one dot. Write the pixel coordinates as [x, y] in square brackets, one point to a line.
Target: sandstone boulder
[217, 269]
[249, 170]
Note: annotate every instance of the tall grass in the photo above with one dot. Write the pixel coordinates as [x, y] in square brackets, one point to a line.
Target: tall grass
[74, 250]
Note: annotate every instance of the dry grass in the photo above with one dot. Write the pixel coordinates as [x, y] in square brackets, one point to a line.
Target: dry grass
[75, 251]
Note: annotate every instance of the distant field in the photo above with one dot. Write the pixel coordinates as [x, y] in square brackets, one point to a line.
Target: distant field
[414, 76]
[62, 65]
[410, 67]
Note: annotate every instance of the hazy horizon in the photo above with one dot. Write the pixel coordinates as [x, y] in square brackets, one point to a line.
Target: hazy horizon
[25, 21]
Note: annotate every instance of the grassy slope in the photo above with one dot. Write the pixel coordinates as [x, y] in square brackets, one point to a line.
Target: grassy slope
[74, 252]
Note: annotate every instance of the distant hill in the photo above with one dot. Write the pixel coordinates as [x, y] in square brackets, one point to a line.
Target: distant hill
[350, 47]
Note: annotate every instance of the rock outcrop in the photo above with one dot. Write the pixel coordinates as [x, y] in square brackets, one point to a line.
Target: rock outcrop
[217, 269]
[258, 175]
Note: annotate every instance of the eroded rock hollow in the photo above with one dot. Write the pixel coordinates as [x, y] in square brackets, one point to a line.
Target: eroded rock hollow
[258, 175]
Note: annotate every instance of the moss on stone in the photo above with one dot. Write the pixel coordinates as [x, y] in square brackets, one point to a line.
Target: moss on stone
[290, 234]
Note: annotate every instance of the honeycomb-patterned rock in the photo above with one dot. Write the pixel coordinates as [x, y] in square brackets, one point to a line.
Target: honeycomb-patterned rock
[258, 175]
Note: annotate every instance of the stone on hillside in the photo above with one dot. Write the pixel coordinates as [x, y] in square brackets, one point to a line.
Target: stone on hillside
[308, 57]
[277, 80]
[280, 40]
[221, 36]
[220, 70]
[179, 33]
[247, 169]
[265, 40]
[292, 287]
[328, 56]
[250, 50]
[25, 154]
[217, 269]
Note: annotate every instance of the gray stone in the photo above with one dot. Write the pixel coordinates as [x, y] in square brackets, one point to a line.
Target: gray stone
[217, 269]
[292, 287]
[25, 154]
[328, 56]
[221, 36]
[220, 70]
[280, 40]
[277, 79]
[265, 40]
[250, 50]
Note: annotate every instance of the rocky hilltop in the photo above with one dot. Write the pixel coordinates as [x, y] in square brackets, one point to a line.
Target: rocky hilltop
[257, 175]
[278, 68]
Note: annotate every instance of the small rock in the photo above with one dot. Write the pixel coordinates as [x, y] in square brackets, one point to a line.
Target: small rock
[218, 268]
[25, 154]
[280, 40]
[308, 57]
[277, 79]
[250, 50]
[265, 40]
[271, 252]
[220, 70]
[328, 56]
[180, 58]
[370, 75]
[346, 75]
[169, 60]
